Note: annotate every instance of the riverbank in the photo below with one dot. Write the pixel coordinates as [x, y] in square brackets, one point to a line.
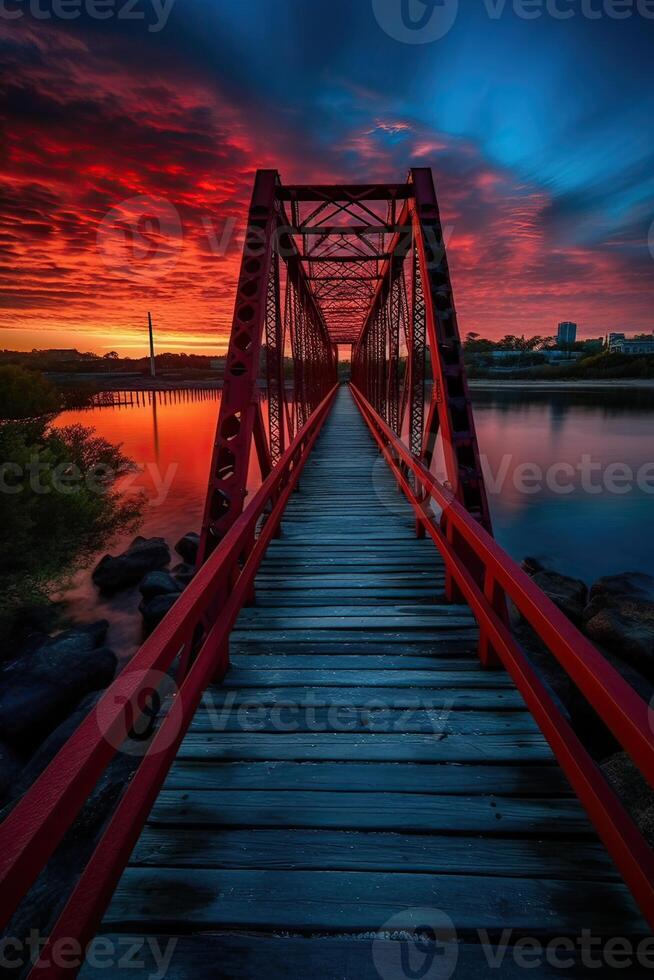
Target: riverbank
[126, 381]
[594, 384]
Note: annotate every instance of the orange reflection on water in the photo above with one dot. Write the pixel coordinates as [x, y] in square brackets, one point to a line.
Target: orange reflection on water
[169, 435]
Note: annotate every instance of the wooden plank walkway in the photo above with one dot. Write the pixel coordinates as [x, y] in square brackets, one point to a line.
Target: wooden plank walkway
[357, 764]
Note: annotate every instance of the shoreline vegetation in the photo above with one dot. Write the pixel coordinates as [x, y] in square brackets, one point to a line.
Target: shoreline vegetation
[513, 363]
[58, 502]
[572, 384]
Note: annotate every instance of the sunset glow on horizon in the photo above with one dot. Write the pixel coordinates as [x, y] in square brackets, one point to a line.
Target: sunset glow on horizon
[541, 223]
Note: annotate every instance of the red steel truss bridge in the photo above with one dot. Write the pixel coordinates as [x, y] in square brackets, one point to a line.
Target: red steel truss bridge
[353, 767]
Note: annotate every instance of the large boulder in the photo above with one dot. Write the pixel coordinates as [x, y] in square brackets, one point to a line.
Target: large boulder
[612, 590]
[144, 555]
[51, 745]
[634, 791]
[620, 618]
[159, 583]
[183, 573]
[153, 610]
[569, 594]
[629, 585]
[187, 547]
[77, 639]
[627, 630]
[38, 691]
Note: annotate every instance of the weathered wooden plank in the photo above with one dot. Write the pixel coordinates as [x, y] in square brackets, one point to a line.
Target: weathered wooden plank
[295, 659]
[401, 614]
[336, 533]
[366, 748]
[388, 560]
[409, 581]
[339, 716]
[318, 575]
[330, 901]
[361, 636]
[518, 779]
[326, 850]
[288, 601]
[435, 648]
[410, 546]
[401, 697]
[408, 625]
[407, 812]
[431, 678]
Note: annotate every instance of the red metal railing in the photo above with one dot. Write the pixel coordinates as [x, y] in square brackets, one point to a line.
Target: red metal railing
[456, 535]
[38, 822]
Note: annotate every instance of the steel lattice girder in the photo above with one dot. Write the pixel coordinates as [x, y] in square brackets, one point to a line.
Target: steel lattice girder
[258, 307]
[236, 419]
[365, 265]
[432, 329]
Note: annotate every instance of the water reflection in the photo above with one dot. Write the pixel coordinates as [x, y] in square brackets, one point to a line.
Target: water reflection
[587, 516]
[170, 436]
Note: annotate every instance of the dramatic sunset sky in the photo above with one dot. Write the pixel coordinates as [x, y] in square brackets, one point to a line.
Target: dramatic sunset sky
[539, 132]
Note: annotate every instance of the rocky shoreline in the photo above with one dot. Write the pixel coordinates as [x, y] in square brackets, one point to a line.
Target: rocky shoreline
[51, 684]
[144, 564]
[617, 614]
[50, 687]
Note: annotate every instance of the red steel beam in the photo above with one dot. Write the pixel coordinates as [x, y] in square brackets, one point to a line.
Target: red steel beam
[336, 192]
[238, 405]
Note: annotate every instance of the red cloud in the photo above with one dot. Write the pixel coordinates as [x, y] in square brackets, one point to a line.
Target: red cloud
[112, 134]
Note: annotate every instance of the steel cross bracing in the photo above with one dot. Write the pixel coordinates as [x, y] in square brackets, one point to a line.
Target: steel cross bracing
[275, 305]
[323, 266]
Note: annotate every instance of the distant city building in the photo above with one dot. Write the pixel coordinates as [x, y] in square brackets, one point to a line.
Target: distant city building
[567, 332]
[613, 339]
[618, 343]
[548, 354]
[561, 355]
[502, 355]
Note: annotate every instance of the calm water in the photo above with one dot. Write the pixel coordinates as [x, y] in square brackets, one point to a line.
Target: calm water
[580, 532]
[595, 526]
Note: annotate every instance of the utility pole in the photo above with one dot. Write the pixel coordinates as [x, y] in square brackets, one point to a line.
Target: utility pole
[152, 366]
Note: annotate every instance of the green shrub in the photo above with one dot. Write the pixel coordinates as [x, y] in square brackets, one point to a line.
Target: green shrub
[26, 394]
[58, 504]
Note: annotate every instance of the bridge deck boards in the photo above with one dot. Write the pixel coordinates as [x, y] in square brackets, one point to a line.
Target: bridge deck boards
[357, 763]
